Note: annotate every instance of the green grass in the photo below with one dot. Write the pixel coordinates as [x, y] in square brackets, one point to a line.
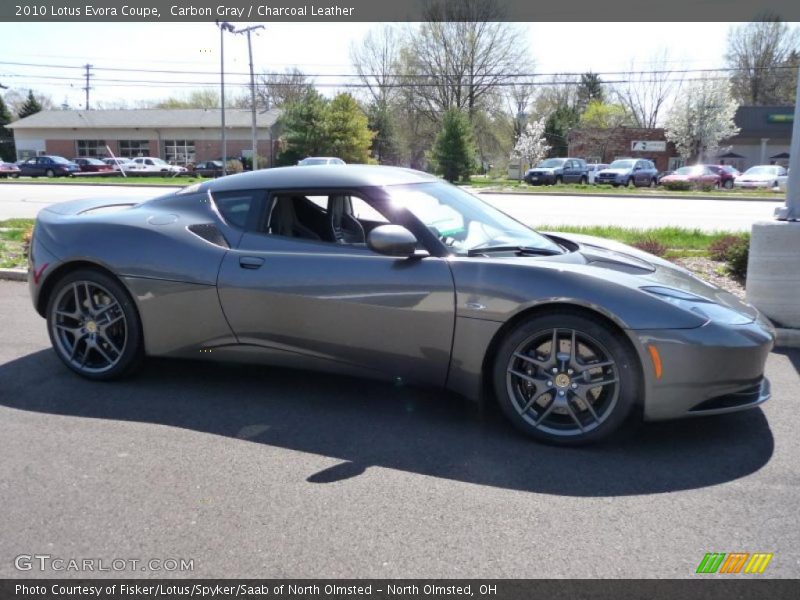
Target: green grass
[486, 184]
[12, 250]
[678, 240]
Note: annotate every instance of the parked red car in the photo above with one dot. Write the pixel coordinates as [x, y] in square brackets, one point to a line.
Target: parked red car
[726, 174]
[92, 165]
[8, 169]
[699, 175]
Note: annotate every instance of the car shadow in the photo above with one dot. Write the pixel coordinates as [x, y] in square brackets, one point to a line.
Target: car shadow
[371, 424]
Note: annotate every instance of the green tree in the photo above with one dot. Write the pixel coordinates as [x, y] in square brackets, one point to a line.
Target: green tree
[558, 125]
[30, 107]
[346, 130]
[303, 124]
[590, 89]
[7, 151]
[384, 147]
[453, 151]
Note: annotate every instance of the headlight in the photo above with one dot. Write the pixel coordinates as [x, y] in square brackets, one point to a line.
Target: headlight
[711, 311]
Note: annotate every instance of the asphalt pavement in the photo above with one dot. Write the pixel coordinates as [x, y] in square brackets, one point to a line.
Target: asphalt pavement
[251, 471]
[539, 210]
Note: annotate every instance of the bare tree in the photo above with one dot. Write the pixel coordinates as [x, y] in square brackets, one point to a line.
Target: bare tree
[376, 61]
[645, 95]
[519, 97]
[276, 90]
[759, 53]
[461, 53]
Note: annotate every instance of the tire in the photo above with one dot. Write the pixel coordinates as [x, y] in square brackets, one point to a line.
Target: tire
[653, 182]
[559, 180]
[584, 180]
[555, 402]
[630, 182]
[94, 326]
[728, 184]
[50, 173]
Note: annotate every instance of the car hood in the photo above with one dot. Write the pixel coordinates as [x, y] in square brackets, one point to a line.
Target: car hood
[615, 171]
[646, 269]
[544, 169]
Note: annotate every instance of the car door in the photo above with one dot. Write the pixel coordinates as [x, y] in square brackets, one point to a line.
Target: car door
[640, 173]
[337, 306]
[568, 174]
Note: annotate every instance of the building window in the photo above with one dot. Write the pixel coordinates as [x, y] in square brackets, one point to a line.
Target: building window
[92, 148]
[675, 163]
[179, 152]
[134, 148]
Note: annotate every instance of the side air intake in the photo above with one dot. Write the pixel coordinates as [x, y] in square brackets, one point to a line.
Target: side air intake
[209, 233]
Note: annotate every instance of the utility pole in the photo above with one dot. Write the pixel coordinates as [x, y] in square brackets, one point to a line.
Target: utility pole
[254, 131]
[87, 88]
[791, 212]
[223, 27]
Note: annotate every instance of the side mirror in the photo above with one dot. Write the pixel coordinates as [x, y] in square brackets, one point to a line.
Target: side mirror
[392, 240]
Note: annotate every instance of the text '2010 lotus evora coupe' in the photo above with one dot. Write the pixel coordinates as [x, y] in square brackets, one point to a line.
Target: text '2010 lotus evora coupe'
[393, 273]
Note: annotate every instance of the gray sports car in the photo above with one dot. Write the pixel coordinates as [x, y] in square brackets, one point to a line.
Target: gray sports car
[392, 273]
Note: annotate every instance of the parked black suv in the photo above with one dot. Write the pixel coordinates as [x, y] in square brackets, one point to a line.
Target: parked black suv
[558, 170]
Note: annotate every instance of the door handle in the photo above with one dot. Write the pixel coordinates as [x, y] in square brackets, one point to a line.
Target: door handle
[250, 262]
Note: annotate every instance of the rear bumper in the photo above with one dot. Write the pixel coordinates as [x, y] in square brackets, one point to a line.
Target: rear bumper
[713, 369]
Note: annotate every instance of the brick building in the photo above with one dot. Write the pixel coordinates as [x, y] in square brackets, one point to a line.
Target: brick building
[606, 145]
[765, 133]
[179, 136]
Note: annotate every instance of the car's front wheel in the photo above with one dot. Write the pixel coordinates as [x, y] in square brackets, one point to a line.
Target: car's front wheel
[728, 184]
[50, 173]
[94, 325]
[565, 379]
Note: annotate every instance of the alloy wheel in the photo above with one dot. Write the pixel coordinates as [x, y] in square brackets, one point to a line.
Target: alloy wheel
[562, 382]
[89, 327]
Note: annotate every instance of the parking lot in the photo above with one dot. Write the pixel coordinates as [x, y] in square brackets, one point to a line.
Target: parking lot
[260, 472]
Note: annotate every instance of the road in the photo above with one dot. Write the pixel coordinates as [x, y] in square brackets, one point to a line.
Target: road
[543, 211]
[257, 472]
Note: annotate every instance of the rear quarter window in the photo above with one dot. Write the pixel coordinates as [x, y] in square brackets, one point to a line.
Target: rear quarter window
[235, 206]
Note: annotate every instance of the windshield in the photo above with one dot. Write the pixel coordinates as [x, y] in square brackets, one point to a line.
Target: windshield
[761, 171]
[159, 161]
[462, 221]
[60, 160]
[621, 164]
[551, 163]
[697, 170]
[314, 161]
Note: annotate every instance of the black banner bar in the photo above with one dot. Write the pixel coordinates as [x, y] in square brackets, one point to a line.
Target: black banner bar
[407, 589]
[395, 10]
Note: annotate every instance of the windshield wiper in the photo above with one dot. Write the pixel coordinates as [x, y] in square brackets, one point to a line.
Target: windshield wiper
[516, 249]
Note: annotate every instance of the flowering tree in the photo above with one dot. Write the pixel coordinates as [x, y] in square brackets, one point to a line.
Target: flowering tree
[531, 147]
[701, 118]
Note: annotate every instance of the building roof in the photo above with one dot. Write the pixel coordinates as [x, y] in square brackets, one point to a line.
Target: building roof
[150, 118]
[761, 121]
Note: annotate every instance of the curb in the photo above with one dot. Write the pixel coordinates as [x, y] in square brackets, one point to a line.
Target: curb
[14, 274]
[604, 195]
[787, 338]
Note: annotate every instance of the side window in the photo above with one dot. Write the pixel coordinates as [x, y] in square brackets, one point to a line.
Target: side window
[235, 206]
[364, 212]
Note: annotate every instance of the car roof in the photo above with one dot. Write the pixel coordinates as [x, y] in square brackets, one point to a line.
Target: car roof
[336, 176]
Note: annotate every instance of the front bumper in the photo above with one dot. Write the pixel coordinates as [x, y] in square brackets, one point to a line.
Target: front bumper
[540, 178]
[709, 370]
[752, 184]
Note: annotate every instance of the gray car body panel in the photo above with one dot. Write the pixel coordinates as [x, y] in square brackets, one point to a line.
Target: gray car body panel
[430, 320]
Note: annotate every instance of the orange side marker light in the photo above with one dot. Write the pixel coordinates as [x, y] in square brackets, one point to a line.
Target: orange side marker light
[656, 358]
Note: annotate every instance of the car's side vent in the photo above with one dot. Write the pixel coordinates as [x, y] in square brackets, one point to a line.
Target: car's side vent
[210, 233]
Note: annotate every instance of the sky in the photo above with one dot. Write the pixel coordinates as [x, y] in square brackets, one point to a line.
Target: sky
[315, 48]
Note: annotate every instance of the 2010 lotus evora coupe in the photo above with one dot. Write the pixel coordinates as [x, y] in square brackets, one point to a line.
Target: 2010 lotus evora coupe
[392, 273]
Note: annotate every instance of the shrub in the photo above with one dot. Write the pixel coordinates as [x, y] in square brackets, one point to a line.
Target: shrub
[718, 250]
[651, 245]
[737, 256]
[678, 185]
[234, 166]
[26, 241]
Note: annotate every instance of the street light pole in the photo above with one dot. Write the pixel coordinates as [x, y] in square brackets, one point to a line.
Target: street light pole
[791, 212]
[254, 131]
[224, 26]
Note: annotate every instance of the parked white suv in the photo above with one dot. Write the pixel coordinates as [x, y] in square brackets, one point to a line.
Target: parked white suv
[151, 164]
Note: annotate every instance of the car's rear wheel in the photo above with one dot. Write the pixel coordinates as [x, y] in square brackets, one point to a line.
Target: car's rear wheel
[50, 173]
[565, 379]
[94, 325]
